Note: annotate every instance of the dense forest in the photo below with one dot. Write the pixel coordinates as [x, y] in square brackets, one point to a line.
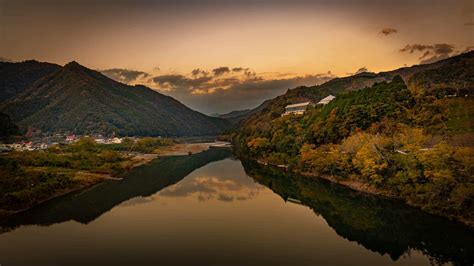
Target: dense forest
[409, 142]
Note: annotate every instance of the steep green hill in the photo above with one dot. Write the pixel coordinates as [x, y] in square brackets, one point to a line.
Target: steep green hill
[455, 72]
[80, 100]
[17, 77]
[7, 127]
[412, 142]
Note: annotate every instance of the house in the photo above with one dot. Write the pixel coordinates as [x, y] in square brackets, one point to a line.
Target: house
[297, 108]
[326, 100]
[70, 138]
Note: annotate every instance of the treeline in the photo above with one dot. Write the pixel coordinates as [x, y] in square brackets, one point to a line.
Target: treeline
[29, 177]
[385, 136]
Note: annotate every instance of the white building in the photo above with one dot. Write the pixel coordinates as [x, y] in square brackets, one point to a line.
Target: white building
[326, 100]
[297, 108]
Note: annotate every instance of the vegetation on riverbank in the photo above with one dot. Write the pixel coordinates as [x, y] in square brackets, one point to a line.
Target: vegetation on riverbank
[31, 177]
[401, 142]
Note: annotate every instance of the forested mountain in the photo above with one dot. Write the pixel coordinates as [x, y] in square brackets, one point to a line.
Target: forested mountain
[17, 77]
[410, 137]
[80, 100]
[7, 127]
[455, 72]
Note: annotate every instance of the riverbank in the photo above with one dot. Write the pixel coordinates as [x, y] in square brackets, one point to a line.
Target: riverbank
[32, 178]
[364, 187]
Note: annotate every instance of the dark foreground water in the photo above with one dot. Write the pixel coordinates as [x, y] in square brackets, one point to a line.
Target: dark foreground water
[212, 209]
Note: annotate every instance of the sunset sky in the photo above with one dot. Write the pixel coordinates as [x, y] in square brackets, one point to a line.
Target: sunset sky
[218, 56]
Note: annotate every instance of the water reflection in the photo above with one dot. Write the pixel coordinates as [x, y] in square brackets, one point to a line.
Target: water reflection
[225, 185]
[380, 225]
[141, 182]
[201, 209]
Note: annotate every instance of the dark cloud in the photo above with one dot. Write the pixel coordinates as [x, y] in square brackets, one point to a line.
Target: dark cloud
[220, 70]
[124, 75]
[388, 31]
[431, 53]
[197, 72]
[177, 82]
[238, 69]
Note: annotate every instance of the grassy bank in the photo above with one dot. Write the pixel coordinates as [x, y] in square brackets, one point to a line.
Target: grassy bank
[31, 177]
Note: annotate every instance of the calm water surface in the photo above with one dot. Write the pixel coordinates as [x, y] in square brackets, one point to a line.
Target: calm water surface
[212, 209]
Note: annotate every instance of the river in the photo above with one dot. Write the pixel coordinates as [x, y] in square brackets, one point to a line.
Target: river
[213, 209]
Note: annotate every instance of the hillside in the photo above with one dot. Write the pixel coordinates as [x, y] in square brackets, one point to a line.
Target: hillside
[7, 127]
[17, 77]
[409, 138]
[461, 69]
[80, 100]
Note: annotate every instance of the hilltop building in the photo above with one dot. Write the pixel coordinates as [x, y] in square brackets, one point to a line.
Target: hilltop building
[297, 108]
[327, 100]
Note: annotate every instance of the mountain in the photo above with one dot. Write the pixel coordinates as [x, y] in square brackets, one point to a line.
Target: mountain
[7, 127]
[235, 116]
[455, 72]
[80, 100]
[410, 138]
[17, 77]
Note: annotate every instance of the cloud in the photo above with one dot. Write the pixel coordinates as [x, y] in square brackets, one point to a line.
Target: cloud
[239, 88]
[238, 69]
[388, 31]
[124, 75]
[177, 82]
[431, 53]
[224, 95]
[220, 70]
[197, 72]
[213, 188]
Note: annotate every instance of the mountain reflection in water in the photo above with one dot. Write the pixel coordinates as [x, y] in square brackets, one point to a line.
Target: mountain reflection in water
[379, 224]
[212, 209]
[143, 181]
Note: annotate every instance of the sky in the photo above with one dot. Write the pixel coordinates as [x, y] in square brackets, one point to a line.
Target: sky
[219, 56]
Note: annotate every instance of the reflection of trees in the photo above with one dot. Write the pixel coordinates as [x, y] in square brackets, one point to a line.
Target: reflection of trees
[143, 181]
[380, 225]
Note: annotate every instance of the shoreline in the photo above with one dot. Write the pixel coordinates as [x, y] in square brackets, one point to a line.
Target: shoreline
[139, 159]
[365, 188]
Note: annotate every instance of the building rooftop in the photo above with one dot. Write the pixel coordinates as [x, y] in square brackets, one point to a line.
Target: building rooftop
[327, 99]
[297, 105]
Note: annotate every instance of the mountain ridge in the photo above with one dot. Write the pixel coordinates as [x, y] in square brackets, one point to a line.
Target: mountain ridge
[80, 100]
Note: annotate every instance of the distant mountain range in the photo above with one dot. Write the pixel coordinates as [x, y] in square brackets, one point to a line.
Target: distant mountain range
[235, 116]
[75, 99]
